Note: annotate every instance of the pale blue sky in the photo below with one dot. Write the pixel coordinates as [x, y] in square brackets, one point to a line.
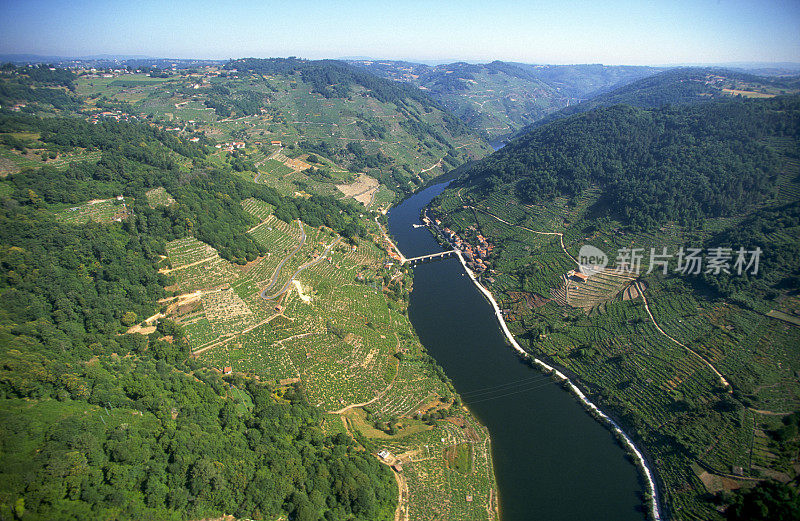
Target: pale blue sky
[552, 31]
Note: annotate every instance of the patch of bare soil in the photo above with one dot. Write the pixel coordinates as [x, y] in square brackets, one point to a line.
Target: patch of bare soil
[362, 189]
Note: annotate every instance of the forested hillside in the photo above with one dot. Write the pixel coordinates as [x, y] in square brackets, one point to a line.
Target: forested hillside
[39, 85]
[499, 98]
[680, 164]
[588, 80]
[682, 86]
[301, 125]
[698, 363]
[101, 423]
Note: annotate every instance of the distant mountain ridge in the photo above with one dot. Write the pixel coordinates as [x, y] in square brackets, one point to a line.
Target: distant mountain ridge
[499, 98]
[681, 86]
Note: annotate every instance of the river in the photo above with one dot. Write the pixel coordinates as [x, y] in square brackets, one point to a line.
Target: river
[552, 460]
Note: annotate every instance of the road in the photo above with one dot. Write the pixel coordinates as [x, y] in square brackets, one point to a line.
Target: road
[722, 379]
[695, 353]
[299, 270]
[278, 269]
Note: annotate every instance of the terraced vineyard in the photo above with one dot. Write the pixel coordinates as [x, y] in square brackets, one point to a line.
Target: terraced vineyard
[102, 211]
[400, 143]
[326, 323]
[655, 373]
[12, 161]
[159, 197]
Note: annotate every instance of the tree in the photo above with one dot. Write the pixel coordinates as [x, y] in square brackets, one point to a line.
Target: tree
[767, 501]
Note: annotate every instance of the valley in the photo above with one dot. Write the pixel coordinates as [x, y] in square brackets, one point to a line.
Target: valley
[689, 365]
[212, 250]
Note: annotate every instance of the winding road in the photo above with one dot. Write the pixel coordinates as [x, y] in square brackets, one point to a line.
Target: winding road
[299, 270]
[722, 379]
[692, 351]
[277, 271]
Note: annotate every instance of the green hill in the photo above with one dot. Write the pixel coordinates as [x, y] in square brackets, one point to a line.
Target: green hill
[653, 166]
[681, 86]
[698, 363]
[355, 121]
[163, 337]
[499, 98]
[585, 81]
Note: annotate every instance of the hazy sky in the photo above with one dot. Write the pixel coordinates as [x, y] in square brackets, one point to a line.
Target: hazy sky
[557, 31]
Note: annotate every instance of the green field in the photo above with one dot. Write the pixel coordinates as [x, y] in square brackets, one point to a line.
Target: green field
[159, 197]
[293, 114]
[102, 211]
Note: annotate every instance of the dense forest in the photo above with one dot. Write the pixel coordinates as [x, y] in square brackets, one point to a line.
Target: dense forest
[103, 424]
[672, 164]
[772, 230]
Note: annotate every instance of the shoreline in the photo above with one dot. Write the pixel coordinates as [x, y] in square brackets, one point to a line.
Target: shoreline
[594, 411]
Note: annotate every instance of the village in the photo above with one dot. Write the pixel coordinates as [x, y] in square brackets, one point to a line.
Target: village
[476, 257]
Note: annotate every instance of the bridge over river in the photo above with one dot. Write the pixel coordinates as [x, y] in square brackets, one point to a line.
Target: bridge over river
[428, 258]
[551, 460]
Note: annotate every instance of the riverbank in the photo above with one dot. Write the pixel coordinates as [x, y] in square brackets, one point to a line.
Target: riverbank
[627, 442]
[641, 462]
[550, 459]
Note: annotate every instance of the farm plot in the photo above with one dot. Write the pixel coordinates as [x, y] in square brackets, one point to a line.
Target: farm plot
[257, 352]
[159, 197]
[440, 488]
[257, 208]
[208, 273]
[297, 259]
[362, 189]
[273, 167]
[198, 330]
[600, 287]
[414, 385]
[103, 211]
[226, 311]
[196, 265]
[336, 334]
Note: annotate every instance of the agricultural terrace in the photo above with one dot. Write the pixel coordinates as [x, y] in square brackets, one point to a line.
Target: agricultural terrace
[640, 368]
[33, 153]
[362, 189]
[159, 197]
[103, 211]
[288, 111]
[485, 101]
[328, 316]
[447, 468]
